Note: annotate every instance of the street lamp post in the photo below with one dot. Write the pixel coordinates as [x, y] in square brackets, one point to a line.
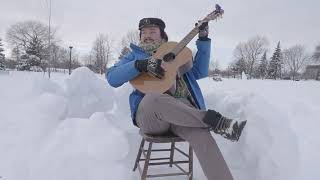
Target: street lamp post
[70, 47]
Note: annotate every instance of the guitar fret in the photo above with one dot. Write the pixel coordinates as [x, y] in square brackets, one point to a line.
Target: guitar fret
[185, 41]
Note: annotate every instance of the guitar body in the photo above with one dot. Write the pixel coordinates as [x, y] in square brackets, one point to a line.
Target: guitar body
[147, 83]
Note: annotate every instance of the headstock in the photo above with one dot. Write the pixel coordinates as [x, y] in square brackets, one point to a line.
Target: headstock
[217, 13]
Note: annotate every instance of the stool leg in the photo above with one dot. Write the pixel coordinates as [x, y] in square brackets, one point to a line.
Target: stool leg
[146, 163]
[172, 153]
[139, 154]
[190, 162]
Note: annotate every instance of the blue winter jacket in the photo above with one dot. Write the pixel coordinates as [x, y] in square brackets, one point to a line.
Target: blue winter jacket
[124, 70]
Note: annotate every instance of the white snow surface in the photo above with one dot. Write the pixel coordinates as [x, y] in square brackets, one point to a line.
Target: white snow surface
[79, 127]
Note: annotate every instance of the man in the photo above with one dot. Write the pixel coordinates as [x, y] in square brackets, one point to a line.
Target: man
[181, 109]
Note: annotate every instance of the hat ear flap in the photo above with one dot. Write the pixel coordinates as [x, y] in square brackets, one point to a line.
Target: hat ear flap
[164, 35]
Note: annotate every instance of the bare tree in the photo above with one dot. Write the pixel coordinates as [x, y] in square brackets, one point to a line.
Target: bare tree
[88, 59]
[295, 58]
[60, 57]
[316, 54]
[131, 37]
[75, 63]
[238, 66]
[31, 37]
[55, 56]
[63, 58]
[250, 52]
[214, 67]
[102, 52]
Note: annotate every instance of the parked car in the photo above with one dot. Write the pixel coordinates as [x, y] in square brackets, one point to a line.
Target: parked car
[216, 77]
[286, 78]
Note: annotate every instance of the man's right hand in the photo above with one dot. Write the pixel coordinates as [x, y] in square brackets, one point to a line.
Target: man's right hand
[150, 65]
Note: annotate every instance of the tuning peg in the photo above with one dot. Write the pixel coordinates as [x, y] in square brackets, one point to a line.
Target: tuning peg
[218, 7]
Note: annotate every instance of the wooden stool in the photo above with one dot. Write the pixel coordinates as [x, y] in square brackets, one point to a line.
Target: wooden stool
[168, 138]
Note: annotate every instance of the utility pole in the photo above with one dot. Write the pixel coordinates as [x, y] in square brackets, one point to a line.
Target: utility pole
[70, 47]
[49, 61]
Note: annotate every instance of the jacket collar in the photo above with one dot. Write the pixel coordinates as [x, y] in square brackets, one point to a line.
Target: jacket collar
[137, 49]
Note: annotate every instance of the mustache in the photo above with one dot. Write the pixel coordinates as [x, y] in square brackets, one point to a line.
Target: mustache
[148, 39]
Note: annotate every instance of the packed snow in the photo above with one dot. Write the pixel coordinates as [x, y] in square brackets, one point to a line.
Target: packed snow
[78, 127]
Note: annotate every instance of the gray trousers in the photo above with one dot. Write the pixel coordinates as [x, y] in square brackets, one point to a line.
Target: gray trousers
[159, 113]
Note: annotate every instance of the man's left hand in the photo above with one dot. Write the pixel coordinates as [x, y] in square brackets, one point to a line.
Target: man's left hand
[204, 31]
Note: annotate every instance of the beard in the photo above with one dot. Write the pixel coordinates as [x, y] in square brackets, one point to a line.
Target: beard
[151, 46]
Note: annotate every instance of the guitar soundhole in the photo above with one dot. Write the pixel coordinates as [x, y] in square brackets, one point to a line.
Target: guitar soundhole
[169, 57]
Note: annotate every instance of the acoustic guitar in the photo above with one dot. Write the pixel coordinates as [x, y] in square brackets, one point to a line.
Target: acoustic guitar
[174, 56]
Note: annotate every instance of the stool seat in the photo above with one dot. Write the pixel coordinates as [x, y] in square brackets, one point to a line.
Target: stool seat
[163, 138]
[149, 161]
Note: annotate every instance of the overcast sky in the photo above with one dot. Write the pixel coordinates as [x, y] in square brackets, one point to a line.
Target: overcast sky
[79, 21]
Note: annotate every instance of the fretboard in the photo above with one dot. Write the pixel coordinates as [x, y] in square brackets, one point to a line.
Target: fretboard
[183, 43]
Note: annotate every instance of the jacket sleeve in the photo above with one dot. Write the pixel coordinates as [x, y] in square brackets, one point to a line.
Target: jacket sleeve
[122, 72]
[201, 61]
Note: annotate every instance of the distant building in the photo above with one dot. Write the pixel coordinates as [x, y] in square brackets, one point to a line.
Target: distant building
[312, 72]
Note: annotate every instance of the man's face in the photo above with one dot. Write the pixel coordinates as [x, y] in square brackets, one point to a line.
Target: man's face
[150, 34]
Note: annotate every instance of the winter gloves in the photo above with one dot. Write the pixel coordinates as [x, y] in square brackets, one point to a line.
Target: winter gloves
[150, 65]
[228, 128]
[141, 65]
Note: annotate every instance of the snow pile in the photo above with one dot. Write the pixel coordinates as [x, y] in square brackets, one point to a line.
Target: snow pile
[268, 145]
[280, 140]
[77, 127]
[87, 94]
[41, 139]
[82, 149]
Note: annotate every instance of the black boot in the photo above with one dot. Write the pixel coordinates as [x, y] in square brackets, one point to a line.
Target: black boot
[228, 128]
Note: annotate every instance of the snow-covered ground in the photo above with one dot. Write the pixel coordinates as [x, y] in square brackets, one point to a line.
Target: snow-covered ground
[78, 127]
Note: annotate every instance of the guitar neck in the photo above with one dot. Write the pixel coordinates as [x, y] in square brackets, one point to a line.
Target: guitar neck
[183, 43]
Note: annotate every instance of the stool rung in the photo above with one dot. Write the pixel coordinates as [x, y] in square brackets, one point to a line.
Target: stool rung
[169, 174]
[155, 159]
[163, 163]
[145, 150]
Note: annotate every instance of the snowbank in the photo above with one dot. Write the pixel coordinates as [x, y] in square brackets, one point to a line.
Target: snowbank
[77, 127]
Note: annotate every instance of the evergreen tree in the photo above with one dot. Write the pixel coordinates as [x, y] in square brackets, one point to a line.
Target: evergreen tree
[36, 52]
[240, 66]
[2, 66]
[24, 63]
[263, 66]
[275, 65]
[2, 56]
